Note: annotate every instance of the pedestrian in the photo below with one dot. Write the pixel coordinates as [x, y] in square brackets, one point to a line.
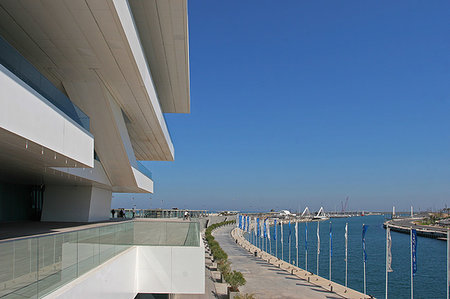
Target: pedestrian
[113, 212]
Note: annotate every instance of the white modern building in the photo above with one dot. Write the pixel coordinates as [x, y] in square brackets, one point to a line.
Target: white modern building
[84, 88]
[84, 85]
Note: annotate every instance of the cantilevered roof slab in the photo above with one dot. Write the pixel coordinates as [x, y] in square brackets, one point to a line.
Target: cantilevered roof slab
[78, 42]
[163, 31]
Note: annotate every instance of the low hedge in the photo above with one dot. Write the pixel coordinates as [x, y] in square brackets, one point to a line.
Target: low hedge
[234, 278]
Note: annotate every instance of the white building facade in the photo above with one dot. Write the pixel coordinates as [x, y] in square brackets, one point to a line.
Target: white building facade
[84, 85]
[84, 88]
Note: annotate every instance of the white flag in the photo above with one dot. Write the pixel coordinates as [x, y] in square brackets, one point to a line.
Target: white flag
[261, 227]
[296, 235]
[318, 239]
[281, 223]
[389, 254]
[255, 227]
[346, 240]
[268, 230]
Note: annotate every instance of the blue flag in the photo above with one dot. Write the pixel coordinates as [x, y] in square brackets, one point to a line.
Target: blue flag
[331, 241]
[240, 221]
[364, 229]
[248, 224]
[257, 227]
[275, 229]
[414, 250]
[306, 235]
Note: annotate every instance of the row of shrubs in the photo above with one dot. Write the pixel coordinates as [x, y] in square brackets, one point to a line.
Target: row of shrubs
[234, 278]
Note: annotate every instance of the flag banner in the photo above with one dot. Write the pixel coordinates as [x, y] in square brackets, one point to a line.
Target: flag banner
[318, 238]
[268, 230]
[257, 229]
[265, 229]
[331, 241]
[296, 235]
[237, 220]
[248, 223]
[261, 229]
[364, 229]
[414, 250]
[289, 239]
[281, 226]
[254, 227]
[275, 229]
[389, 254]
[346, 240]
[306, 236]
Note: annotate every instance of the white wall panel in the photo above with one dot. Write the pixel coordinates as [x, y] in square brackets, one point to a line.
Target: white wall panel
[26, 113]
[114, 279]
[142, 181]
[76, 203]
[154, 269]
[187, 274]
[176, 270]
[100, 204]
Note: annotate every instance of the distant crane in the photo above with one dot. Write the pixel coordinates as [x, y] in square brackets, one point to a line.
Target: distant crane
[344, 206]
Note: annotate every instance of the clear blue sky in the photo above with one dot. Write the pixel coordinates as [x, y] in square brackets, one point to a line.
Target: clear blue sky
[297, 103]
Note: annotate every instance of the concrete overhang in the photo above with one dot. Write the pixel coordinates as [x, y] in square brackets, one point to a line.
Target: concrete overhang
[163, 31]
[87, 43]
[35, 133]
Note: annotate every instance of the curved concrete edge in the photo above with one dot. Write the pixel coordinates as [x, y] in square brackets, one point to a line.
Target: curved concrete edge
[422, 230]
[326, 284]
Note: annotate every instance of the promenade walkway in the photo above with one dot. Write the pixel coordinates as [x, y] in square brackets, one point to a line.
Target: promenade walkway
[263, 279]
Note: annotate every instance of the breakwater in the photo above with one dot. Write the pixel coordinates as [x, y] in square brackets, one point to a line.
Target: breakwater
[404, 226]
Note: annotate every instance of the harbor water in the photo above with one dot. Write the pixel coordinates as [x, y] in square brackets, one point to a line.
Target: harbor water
[429, 281]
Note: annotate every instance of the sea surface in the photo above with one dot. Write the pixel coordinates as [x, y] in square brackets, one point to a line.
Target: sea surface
[429, 281]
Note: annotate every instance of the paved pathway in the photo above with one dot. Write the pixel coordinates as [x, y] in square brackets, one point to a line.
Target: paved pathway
[263, 279]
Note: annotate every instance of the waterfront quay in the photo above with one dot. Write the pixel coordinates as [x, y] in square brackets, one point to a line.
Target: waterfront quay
[404, 225]
[270, 277]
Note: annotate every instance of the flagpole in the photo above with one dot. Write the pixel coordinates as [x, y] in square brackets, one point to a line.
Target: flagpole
[282, 241]
[296, 240]
[448, 265]
[412, 279]
[387, 232]
[364, 263]
[346, 251]
[289, 242]
[318, 246]
[270, 242]
[330, 252]
[276, 239]
[306, 245]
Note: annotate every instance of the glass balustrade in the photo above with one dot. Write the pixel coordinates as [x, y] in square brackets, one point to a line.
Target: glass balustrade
[36, 266]
[24, 70]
